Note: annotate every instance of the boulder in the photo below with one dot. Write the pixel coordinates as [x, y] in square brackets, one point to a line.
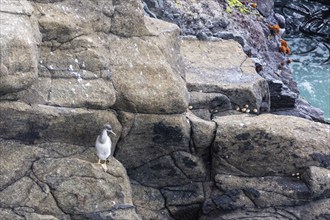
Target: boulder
[230, 72]
[147, 137]
[84, 190]
[145, 72]
[41, 123]
[318, 181]
[20, 162]
[73, 66]
[61, 21]
[56, 181]
[128, 20]
[19, 40]
[266, 191]
[149, 202]
[184, 195]
[155, 173]
[268, 145]
[192, 166]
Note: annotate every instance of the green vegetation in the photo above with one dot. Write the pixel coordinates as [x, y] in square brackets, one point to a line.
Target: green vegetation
[238, 6]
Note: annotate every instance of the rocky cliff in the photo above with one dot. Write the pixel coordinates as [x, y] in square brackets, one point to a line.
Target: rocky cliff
[195, 139]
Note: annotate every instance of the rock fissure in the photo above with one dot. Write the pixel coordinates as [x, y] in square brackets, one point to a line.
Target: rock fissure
[177, 166]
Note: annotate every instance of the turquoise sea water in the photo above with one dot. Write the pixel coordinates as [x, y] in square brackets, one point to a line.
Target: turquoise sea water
[310, 72]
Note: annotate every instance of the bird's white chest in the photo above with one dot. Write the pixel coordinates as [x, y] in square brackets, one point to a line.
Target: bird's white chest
[103, 146]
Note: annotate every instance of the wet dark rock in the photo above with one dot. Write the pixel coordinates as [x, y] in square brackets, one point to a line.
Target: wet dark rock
[150, 136]
[188, 212]
[155, 173]
[184, 195]
[192, 166]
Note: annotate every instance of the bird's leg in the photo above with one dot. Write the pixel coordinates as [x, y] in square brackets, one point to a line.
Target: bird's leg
[104, 166]
[99, 162]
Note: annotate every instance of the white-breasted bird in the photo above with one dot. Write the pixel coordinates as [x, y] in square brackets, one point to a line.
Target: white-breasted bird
[103, 145]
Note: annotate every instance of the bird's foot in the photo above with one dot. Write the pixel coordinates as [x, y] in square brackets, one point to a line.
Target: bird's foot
[105, 167]
[99, 162]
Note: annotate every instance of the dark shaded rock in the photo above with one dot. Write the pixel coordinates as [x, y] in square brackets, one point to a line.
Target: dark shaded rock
[318, 181]
[192, 166]
[183, 195]
[149, 202]
[150, 137]
[209, 102]
[230, 200]
[203, 134]
[41, 123]
[155, 173]
[265, 7]
[232, 75]
[188, 212]
[281, 96]
[267, 145]
[267, 191]
[313, 210]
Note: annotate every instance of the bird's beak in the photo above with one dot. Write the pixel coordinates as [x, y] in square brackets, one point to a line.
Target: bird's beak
[113, 132]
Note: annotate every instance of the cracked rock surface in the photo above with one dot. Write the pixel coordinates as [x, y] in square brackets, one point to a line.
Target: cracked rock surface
[38, 180]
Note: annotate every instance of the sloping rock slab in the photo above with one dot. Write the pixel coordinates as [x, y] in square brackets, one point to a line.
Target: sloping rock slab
[222, 67]
[269, 145]
[41, 123]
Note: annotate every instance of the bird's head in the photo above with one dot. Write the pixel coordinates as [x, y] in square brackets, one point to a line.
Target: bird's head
[108, 128]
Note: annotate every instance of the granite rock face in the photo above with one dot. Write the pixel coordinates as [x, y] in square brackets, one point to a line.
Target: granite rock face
[250, 28]
[43, 123]
[176, 106]
[268, 145]
[57, 181]
[19, 46]
[230, 73]
[145, 80]
[273, 161]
